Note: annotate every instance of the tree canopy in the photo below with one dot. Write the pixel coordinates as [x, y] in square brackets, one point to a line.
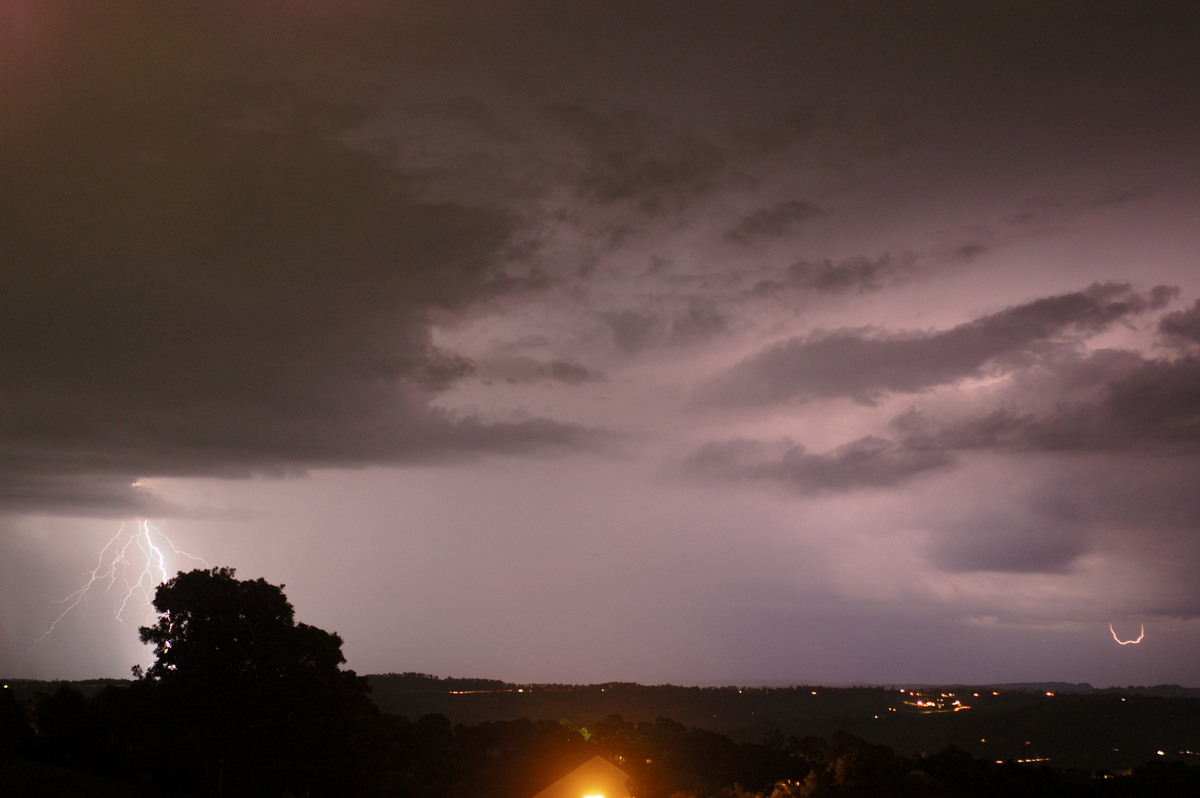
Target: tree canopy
[260, 699]
[216, 629]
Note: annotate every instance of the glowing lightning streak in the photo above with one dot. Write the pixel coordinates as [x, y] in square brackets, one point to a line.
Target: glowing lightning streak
[116, 560]
[1127, 642]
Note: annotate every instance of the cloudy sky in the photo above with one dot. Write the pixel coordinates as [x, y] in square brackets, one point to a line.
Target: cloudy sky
[678, 342]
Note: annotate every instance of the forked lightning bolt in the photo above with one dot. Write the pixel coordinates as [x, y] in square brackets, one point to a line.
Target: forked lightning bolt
[133, 563]
[1141, 634]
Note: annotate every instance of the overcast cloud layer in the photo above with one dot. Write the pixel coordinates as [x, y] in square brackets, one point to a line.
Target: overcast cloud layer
[686, 342]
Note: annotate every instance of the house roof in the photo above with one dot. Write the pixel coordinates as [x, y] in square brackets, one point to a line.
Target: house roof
[595, 777]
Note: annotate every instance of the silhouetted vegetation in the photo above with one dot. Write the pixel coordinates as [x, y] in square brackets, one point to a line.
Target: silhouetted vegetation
[266, 704]
[244, 701]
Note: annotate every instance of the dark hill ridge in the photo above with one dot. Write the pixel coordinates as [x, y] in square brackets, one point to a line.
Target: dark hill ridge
[1066, 725]
[1069, 725]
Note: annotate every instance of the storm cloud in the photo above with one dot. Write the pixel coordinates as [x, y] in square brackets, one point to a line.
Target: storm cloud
[1182, 326]
[777, 220]
[612, 341]
[201, 281]
[864, 365]
[865, 463]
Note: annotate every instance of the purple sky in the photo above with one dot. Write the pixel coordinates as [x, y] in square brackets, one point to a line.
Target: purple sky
[669, 342]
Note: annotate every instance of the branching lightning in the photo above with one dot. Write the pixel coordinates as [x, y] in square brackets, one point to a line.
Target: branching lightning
[132, 564]
[1141, 634]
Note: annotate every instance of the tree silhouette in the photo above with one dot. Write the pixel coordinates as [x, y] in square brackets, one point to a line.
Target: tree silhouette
[248, 700]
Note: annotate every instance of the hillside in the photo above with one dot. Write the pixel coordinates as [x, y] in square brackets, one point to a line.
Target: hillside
[1086, 728]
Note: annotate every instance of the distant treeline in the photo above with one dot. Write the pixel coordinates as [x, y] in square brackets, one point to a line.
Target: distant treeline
[118, 742]
[426, 682]
[1083, 728]
[1090, 730]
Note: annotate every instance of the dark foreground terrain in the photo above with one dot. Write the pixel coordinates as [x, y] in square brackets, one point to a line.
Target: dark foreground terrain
[1072, 726]
[452, 738]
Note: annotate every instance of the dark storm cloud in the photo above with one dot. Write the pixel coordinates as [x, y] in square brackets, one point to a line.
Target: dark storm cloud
[699, 322]
[83, 494]
[1182, 326]
[1159, 401]
[634, 331]
[1142, 406]
[630, 156]
[1075, 506]
[801, 126]
[1055, 209]
[572, 373]
[200, 277]
[1040, 540]
[528, 370]
[470, 112]
[868, 462]
[856, 275]
[1119, 436]
[863, 366]
[778, 220]
[967, 253]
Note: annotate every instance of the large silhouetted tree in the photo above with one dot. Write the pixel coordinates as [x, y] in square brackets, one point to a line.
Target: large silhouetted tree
[247, 699]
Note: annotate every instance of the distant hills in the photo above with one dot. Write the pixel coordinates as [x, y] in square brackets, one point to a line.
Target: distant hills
[1072, 726]
[1068, 725]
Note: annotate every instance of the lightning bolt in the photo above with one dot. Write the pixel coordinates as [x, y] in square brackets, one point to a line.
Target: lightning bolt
[132, 564]
[1141, 634]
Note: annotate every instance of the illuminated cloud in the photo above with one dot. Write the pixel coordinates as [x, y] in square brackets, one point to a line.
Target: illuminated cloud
[1148, 406]
[865, 463]
[864, 364]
